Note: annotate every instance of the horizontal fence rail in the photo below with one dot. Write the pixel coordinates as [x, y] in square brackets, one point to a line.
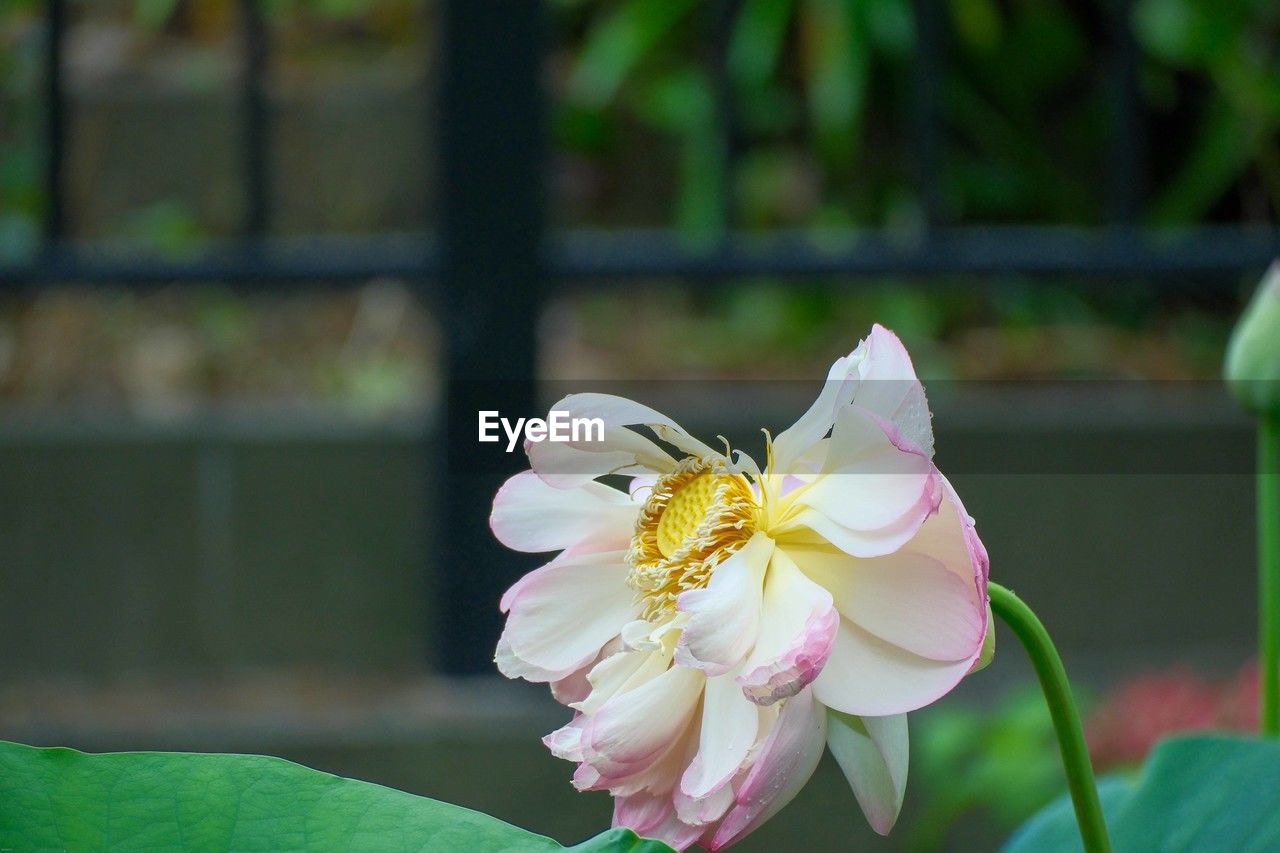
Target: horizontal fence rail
[1159, 257]
[494, 260]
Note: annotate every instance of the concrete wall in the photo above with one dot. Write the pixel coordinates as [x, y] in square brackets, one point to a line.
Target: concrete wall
[187, 551]
[207, 548]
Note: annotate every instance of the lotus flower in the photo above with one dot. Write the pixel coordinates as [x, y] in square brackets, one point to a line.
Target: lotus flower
[717, 625]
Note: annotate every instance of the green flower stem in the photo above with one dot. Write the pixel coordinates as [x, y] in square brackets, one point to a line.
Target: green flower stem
[1062, 708]
[1269, 571]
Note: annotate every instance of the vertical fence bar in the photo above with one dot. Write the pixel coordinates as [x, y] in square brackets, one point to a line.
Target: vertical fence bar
[55, 223]
[256, 133]
[926, 114]
[491, 234]
[1126, 165]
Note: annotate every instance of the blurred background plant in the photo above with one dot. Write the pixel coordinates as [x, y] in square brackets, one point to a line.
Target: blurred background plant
[822, 92]
[1002, 760]
[824, 127]
[1000, 764]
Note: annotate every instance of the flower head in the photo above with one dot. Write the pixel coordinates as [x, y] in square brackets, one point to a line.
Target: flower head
[717, 626]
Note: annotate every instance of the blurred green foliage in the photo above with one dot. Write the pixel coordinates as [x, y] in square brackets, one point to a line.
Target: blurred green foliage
[1230, 50]
[1002, 760]
[821, 90]
[21, 200]
[822, 94]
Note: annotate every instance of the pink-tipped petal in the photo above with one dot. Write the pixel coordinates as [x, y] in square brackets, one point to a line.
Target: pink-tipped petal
[586, 778]
[514, 667]
[796, 441]
[928, 598]
[786, 760]
[797, 630]
[878, 377]
[870, 483]
[909, 598]
[566, 741]
[869, 677]
[635, 730]
[798, 666]
[618, 673]
[814, 527]
[889, 388]
[575, 686]
[952, 539]
[729, 727]
[872, 752]
[724, 616]
[564, 613]
[529, 515]
[675, 833]
[988, 644]
[642, 812]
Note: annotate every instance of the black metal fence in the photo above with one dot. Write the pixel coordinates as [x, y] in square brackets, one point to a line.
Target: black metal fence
[493, 260]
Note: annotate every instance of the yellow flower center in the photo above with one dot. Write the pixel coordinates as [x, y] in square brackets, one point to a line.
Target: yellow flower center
[685, 510]
[695, 518]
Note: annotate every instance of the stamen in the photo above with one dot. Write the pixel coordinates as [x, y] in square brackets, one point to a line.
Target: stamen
[695, 518]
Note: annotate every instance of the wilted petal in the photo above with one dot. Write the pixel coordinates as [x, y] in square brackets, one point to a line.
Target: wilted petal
[724, 616]
[872, 752]
[798, 627]
[786, 760]
[563, 614]
[623, 450]
[870, 677]
[619, 411]
[569, 464]
[529, 515]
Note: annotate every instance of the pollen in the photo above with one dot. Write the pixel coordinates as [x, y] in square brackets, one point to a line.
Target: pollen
[697, 516]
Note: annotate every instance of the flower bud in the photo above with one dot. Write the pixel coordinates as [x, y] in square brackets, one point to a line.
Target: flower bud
[1252, 368]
